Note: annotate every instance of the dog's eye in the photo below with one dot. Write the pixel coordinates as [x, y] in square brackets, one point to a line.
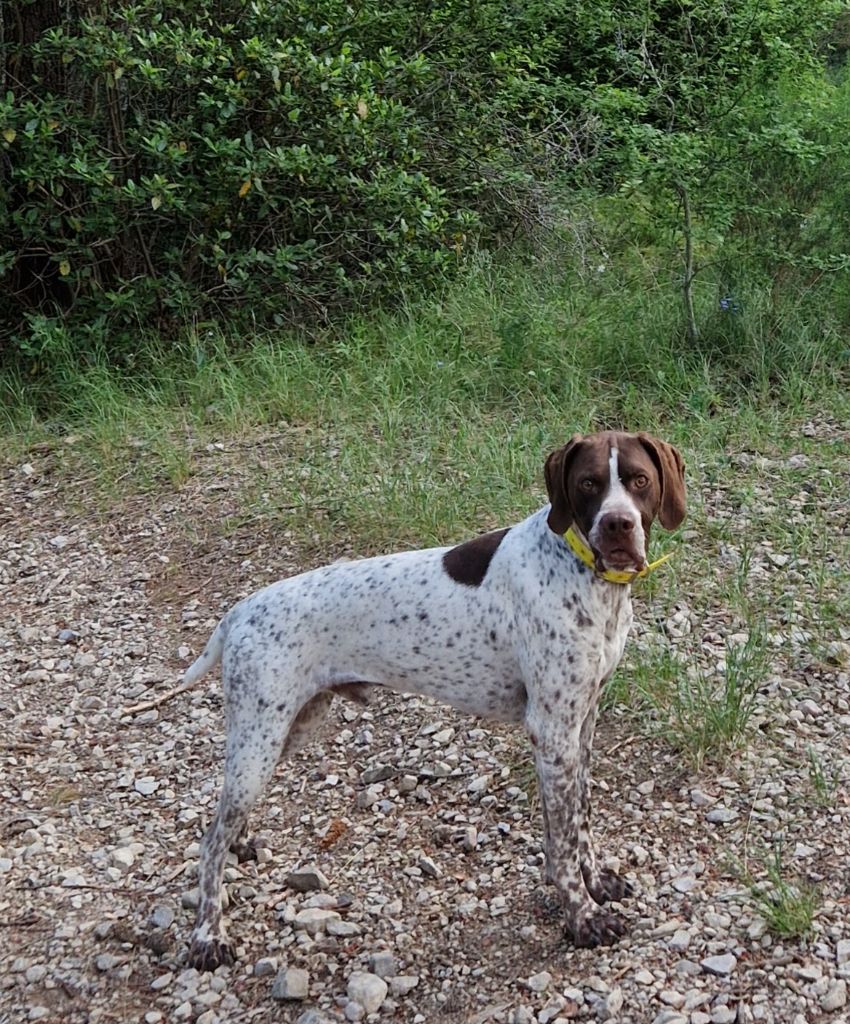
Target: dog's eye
[640, 481]
[588, 485]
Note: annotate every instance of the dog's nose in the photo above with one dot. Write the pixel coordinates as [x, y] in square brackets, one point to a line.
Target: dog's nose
[616, 524]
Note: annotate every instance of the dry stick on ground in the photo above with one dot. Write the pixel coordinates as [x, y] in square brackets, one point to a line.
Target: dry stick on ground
[148, 705]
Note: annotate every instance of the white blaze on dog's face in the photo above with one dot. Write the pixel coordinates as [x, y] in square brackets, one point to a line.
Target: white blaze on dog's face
[617, 530]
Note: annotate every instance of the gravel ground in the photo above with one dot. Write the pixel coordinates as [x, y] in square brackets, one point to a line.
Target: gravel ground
[414, 831]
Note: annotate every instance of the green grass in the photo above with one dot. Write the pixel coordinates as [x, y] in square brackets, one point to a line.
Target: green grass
[703, 713]
[823, 779]
[788, 906]
[419, 426]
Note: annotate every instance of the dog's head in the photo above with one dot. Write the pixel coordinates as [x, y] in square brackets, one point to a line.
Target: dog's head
[610, 487]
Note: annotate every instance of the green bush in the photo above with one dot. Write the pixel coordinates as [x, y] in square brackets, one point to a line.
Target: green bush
[164, 160]
[162, 163]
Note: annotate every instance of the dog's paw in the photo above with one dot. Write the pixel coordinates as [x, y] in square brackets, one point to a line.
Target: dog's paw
[210, 954]
[608, 886]
[598, 929]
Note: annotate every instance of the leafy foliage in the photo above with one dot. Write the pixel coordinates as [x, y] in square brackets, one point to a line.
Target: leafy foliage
[163, 162]
[176, 157]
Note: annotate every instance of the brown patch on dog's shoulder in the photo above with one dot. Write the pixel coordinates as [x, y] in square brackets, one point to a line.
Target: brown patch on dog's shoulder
[468, 562]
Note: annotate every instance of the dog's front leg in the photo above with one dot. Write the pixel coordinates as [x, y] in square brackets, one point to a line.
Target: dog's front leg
[556, 740]
[603, 884]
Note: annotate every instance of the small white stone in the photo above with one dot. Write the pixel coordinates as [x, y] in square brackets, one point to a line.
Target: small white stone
[146, 786]
[842, 951]
[402, 984]
[368, 990]
[539, 982]
[314, 920]
[123, 858]
[835, 997]
[720, 965]
[291, 984]
[721, 815]
[342, 929]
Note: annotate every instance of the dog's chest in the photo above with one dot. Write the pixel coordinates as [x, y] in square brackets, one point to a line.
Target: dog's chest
[613, 620]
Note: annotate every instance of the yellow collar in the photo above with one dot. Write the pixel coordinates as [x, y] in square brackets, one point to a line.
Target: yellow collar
[584, 554]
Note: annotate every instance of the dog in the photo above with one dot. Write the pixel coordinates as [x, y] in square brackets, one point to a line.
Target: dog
[521, 625]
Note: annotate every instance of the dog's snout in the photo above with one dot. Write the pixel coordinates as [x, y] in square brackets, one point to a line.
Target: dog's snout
[617, 524]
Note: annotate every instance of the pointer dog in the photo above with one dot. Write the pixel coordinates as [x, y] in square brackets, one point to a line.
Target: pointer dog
[521, 625]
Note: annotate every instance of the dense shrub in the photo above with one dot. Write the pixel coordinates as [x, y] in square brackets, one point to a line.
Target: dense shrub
[165, 158]
[163, 161]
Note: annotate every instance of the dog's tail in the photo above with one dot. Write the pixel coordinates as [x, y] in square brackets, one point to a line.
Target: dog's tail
[210, 657]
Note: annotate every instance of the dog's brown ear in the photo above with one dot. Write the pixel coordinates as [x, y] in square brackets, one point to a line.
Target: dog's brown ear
[557, 466]
[671, 472]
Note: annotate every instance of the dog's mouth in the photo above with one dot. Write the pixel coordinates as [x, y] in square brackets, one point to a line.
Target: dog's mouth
[622, 559]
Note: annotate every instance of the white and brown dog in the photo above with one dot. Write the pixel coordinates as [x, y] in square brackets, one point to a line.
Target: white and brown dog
[522, 625]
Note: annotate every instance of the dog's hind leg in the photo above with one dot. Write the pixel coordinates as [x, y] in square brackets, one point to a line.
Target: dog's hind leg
[256, 734]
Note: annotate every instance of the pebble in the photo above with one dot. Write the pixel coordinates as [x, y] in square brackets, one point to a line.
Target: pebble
[106, 961]
[402, 984]
[721, 965]
[480, 784]
[162, 917]
[721, 815]
[724, 1015]
[293, 983]
[382, 963]
[842, 951]
[539, 982]
[312, 1017]
[314, 920]
[835, 998]
[428, 867]
[123, 858]
[306, 879]
[367, 990]
[343, 929]
[611, 1005]
[265, 967]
